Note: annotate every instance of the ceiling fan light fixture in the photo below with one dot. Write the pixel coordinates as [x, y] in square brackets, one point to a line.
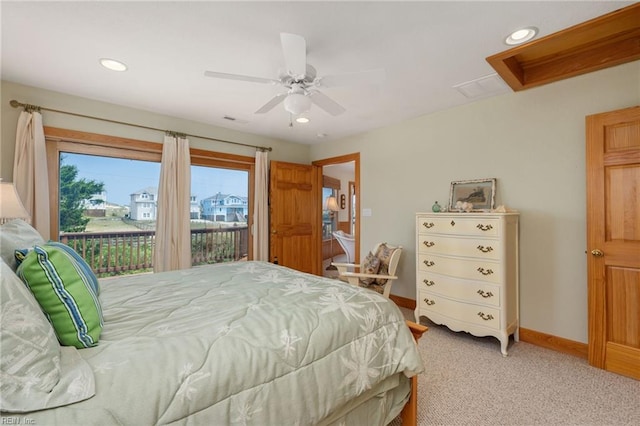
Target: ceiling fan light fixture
[302, 120]
[297, 103]
[520, 36]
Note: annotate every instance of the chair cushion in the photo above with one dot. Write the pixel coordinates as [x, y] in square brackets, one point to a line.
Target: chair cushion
[384, 253]
[371, 265]
[376, 287]
[65, 293]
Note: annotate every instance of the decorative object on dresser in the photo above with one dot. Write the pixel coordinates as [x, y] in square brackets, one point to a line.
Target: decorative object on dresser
[478, 192]
[467, 272]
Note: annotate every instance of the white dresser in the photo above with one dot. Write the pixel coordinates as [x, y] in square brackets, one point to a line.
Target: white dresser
[467, 272]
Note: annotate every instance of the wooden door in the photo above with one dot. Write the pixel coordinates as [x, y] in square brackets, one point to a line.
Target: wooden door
[613, 240]
[294, 214]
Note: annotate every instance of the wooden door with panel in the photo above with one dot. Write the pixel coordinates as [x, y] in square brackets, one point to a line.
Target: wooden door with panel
[294, 216]
[613, 240]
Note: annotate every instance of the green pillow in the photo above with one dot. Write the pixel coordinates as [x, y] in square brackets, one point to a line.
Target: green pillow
[83, 267]
[65, 293]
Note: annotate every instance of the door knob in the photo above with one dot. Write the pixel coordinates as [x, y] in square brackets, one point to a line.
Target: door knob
[597, 253]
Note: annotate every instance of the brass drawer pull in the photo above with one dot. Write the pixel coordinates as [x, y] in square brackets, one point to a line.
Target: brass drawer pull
[485, 271]
[485, 295]
[429, 302]
[453, 223]
[484, 316]
[429, 283]
[429, 243]
[484, 227]
[429, 263]
[428, 225]
[485, 249]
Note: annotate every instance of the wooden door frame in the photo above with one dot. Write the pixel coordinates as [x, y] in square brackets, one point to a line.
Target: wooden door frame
[347, 158]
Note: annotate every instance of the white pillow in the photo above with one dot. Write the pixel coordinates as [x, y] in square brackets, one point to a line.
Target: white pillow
[14, 235]
[36, 372]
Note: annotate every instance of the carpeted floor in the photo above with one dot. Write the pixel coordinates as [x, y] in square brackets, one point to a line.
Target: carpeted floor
[468, 382]
[330, 272]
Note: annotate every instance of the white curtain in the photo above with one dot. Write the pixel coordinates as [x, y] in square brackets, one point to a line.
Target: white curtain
[261, 209]
[173, 234]
[30, 176]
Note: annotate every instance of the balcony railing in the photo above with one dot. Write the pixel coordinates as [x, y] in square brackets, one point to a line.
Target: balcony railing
[127, 252]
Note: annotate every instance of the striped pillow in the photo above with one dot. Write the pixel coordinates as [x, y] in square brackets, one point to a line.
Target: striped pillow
[65, 292]
[83, 268]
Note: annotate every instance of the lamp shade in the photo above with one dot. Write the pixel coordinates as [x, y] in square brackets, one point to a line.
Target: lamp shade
[297, 103]
[10, 205]
[332, 204]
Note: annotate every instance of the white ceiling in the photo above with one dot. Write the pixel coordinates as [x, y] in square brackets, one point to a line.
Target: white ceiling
[425, 48]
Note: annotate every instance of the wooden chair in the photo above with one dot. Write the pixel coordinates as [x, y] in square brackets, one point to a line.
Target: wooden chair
[347, 271]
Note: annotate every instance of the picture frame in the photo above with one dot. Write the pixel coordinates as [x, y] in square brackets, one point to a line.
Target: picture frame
[479, 192]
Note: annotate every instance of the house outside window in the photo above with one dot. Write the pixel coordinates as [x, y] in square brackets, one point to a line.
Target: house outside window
[122, 241]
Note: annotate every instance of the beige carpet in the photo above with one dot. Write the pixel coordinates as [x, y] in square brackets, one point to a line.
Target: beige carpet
[468, 382]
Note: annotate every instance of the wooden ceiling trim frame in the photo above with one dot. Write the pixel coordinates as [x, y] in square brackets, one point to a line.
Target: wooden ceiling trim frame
[609, 40]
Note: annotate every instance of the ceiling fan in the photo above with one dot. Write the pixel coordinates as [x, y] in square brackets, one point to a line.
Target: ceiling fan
[301, 80]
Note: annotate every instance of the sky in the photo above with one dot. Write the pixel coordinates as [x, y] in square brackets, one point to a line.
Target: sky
[123, 177]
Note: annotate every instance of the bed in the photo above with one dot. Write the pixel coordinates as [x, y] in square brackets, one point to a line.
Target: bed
[248, 343]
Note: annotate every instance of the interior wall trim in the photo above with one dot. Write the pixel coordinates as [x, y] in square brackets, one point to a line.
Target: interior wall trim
[555, 343]
[403, 302]
[559, 344]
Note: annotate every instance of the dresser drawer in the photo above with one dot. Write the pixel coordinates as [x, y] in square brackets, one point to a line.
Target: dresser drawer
[474, 314]
[471, 269]
[459, 225]
[470, 291]
[482, 248]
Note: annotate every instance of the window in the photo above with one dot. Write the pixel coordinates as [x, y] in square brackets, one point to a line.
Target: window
[224, 228]
[121, 176]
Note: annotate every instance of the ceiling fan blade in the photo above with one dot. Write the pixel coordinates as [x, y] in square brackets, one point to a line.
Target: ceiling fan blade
[272, 103]
[294, 48]
[240, 77]
[373, 77]
[326, 103]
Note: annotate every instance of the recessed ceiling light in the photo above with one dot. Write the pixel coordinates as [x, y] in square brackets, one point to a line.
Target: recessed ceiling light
[112, 64]
[302, 120]
[521, 36]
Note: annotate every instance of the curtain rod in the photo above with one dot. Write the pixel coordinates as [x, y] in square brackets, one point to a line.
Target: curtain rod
[29, 107]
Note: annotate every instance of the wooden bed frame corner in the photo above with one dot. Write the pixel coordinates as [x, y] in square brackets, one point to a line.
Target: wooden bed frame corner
[409, 413]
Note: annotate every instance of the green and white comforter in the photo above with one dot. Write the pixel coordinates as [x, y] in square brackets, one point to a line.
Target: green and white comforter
[246, 343]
